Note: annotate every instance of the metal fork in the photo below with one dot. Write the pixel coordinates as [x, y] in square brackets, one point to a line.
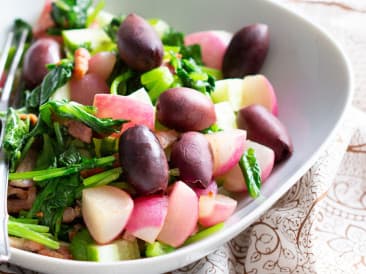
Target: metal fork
[4, 168]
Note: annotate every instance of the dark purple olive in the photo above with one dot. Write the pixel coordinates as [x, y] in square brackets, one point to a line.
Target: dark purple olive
[185, 109]
[246, 52]
[143, 160]
[139, 45]
[191, 154]
[265, 128]
[42, 52]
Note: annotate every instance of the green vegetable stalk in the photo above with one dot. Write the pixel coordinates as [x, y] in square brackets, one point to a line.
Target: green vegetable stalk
[32, 232]
[51, 173]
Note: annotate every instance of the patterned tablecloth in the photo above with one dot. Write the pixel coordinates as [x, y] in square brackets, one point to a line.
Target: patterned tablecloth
[319, 226]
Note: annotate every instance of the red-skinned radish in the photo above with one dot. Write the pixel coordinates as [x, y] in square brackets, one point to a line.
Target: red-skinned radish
[215, 208]
[148, 217]
[83, 90]
[227, 147]
[213, 46]
[182, 216]
[124, 107]
[106, 210]
[102, 64]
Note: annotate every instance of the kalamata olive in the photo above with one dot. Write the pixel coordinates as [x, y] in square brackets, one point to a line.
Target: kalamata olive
[143, 160]
[42, 52]
[191, 154]
[139, 45]
[265, 128]
[246, 51]
[185, 109]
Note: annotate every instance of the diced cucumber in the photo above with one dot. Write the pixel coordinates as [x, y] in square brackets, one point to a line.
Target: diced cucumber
[84, 248]
[157, 249]
[94, 39]
[141, 95]
[225, 115]
[229, 90]
[115, 251]
[103, 253]
[204, 233]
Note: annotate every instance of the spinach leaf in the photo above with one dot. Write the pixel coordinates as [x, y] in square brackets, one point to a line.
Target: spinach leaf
[55, 78]
[251, 172]
[16, 131]
[69, 14]
[47, 155]
[174, 38]
[71, 156]
[52, 200]
[75, 111]
[189, 74]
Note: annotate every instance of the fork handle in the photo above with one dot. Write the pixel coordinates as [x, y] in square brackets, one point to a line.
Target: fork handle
[4, 241]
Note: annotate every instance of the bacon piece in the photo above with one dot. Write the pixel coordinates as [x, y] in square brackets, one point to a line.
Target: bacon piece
[81, 61]
[80, 131]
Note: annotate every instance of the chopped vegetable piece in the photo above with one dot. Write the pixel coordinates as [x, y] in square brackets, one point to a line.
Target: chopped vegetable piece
[40, 175]
[55, 78]
[81, 113]
[157, 81]
[157, 249]
[251, 172]
[69, 14]
[27, 231]
[16, 130]
[204, 233]
[103, 178]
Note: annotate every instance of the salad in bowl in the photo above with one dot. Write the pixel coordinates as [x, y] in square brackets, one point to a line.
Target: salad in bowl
[131, 139]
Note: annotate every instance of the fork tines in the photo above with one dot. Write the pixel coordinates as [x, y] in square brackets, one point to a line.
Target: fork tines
[6, 91]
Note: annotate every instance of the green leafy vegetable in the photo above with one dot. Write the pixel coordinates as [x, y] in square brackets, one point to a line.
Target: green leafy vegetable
[105, 146]
[69, 14]
[52, 200]
[174, 38]
[15, 139]
[157, 249]
[251, 172]
[84, 114]
[55, 78]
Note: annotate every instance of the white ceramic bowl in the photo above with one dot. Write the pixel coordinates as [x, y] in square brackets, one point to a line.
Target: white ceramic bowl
[309, 73]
